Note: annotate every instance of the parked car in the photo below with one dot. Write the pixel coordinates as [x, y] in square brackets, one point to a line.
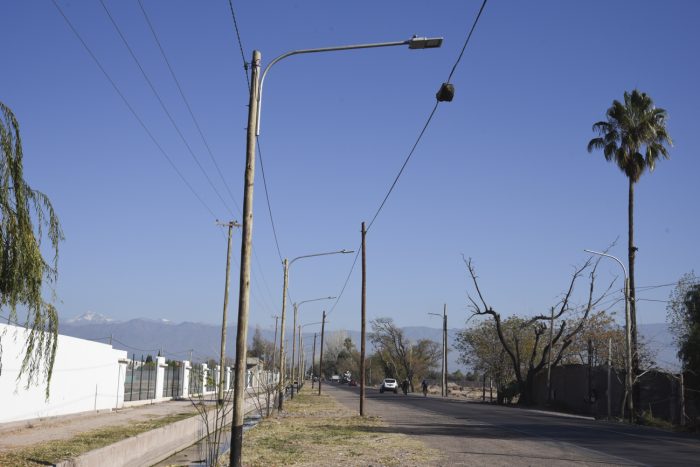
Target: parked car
[389, 384]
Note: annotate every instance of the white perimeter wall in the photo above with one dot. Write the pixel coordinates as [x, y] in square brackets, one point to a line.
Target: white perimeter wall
[86, 377]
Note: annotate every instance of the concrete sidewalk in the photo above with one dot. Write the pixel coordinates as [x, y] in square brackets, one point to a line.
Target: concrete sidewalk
[25, 433]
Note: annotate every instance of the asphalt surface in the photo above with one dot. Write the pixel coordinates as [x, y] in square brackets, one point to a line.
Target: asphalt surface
[484, 434]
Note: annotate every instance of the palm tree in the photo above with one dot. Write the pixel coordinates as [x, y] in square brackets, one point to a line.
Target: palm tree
[634, 138]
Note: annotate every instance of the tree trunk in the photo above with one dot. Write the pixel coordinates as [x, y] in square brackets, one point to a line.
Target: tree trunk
[527, 389]
[633, 303]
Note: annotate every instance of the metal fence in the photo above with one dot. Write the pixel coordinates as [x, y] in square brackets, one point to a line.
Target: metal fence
[140, 380]
[196, 379]
[171, 385]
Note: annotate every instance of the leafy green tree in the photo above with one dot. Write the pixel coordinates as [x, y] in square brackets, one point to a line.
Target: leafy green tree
[683, 312]
[26, 217]
[634, 137]
[261, 347]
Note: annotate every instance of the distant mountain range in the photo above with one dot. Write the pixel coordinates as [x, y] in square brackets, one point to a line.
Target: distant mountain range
[176, 340]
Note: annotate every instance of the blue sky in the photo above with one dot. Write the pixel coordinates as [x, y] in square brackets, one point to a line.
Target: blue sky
[502, 174]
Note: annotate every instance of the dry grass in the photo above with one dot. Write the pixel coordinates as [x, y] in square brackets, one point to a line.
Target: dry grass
[318, 431]
[54, 451]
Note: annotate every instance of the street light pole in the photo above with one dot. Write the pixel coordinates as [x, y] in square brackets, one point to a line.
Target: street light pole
[244, 276]
[443, 369]
[294, 327]
[628, 341]
[253, 130]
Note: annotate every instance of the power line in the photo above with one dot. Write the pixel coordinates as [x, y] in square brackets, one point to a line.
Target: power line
[187, 104]
[413, 148]
[469, 36]
[164, 107]
[131, 109]
[259, 150]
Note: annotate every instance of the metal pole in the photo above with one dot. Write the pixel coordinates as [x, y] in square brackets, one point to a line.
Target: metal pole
[294, 346]
[222, 354]
[283, 363]
[363, 317]
[244, 282]
[320, 361]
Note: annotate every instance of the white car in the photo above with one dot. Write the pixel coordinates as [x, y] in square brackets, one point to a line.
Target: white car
[389, 384]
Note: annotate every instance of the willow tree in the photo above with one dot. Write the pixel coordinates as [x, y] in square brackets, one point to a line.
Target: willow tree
[633, 137]
[26, 218]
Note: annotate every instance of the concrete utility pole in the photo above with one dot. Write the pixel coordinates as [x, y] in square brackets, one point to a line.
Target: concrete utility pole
[222, 354]
[313, 363]
[244, 281]
[364, 314]
[320, 361]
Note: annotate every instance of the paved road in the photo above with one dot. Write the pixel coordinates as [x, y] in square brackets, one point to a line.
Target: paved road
[484, 434]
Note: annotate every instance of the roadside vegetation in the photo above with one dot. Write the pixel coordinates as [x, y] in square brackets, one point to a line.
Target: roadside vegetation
[317, 430]
[54, 451]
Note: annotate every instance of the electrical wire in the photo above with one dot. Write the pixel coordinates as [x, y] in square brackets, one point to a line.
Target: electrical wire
[413, 148]
[165, 108]
[187, 104]
[133, 111]
[257, 139]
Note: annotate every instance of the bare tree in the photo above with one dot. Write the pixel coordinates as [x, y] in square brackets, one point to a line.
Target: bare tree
[401, 357]
[529, 361]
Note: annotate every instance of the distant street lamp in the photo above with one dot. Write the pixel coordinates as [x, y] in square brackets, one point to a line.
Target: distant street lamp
[294, 337]
[628, 345]
[285, 284]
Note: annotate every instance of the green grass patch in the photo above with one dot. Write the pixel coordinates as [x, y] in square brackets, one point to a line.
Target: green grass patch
[54, 451]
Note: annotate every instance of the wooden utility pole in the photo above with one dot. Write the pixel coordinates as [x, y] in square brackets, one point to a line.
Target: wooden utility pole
[294, 347]
[280, 405]
[313, 363]
[444, 349]
[222, 354]
[682, 401]
[274, 346]
[609, 376]
[244, 281]
[364, 314]
[320, 361]
[549, 355]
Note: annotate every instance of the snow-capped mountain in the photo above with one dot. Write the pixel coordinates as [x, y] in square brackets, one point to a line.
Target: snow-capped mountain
[90, 317]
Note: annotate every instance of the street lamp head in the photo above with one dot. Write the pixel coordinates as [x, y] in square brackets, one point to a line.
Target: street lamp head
[345, 252]
[424, 42]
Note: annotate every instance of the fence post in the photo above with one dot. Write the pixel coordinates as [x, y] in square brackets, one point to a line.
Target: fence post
[185, 379]
[160, 377]
[227, 382]
[217, 377]
[205, 373]
[121, 382]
